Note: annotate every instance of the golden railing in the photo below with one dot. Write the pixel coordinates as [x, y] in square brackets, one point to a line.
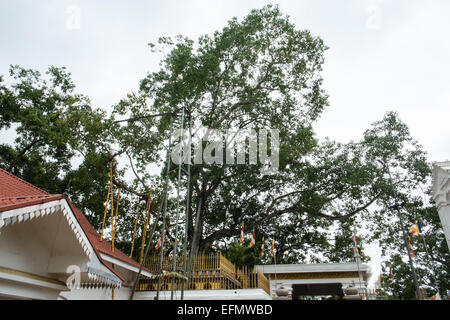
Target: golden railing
[211, 271]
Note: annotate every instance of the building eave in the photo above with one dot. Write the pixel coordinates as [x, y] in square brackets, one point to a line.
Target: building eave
[124, 265]
[98, 270]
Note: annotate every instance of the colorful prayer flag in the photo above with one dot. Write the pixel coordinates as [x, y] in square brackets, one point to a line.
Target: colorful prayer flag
[272, 248]
[355, 245]
[252, 238]
[242, 233]
[262, 248]
[419, 227]
[158, 244]
[390, 272]
[415, 229]
[410, 247]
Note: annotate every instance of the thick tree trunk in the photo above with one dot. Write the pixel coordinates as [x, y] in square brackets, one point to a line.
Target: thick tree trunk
[199, 243]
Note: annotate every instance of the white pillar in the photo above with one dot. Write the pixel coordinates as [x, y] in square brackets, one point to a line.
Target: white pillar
[441, 195]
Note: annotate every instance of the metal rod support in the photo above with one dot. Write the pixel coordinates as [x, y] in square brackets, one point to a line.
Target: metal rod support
[163, 232]
[188, 198]
[180, 163]
[405, 239]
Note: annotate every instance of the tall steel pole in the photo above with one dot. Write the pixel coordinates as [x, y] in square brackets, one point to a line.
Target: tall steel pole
[405, 239]
[163, 232]
[147, 249]
[358, 259]
[188, 199]
[180, 163]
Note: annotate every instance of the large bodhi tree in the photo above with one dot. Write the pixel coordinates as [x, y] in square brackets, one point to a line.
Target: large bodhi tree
[259, 73]
[262, 73]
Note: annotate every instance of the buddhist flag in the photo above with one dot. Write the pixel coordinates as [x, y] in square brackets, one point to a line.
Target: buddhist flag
[355, 245]
[272, 248]
[252, 238]
[418, 226]
[262, 248]
[158, 244]
[242, 233]
[390, 272]
[410, 247]
[415, 229]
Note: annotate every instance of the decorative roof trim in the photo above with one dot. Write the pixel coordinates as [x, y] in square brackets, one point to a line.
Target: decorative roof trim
[124, 265]
[28, 213]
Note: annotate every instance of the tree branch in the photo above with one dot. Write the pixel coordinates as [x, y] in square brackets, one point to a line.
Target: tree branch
[348, 215]
[123, 186]
[23, 151]
[230, 111]
[134, 171]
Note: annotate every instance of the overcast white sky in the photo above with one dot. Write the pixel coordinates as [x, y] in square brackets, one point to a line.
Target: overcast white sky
[384, 54]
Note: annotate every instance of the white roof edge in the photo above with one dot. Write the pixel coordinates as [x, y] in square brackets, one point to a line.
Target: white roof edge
[33, 211]
[123, 264]
[320, 267]
[31, 281]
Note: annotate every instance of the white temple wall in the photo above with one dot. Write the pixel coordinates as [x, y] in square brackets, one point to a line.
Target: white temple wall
[441, 195]
[122, 293]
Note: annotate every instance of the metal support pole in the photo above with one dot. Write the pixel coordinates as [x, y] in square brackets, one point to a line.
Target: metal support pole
[411, 265]
[147, 249]
[358, 258]
[188, 198]
[276, 280]
[405, 238]
[164, 211]
[180, 163]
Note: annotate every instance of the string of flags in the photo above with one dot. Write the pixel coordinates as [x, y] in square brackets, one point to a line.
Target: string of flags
[355, 244]
[272, 248]
[262, 248]
[158, 243]
[252, 238]
[413, 254]
[415, 229]
[391, 275]
[253, 241]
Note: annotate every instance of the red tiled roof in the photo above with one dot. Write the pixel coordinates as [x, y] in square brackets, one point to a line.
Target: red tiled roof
[13, 187]
[17, 193]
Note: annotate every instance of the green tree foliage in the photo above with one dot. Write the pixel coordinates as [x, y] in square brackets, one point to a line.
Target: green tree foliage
[39, 107]
[431, 261]
[56, 128]
[242, 255]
